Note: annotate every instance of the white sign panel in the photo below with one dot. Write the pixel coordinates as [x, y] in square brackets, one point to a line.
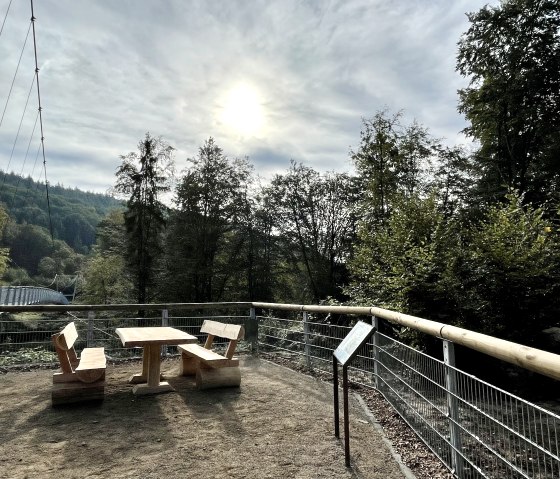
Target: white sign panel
[353, 341]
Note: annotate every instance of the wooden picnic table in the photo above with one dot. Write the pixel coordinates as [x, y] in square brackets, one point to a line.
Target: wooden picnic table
[151, 339]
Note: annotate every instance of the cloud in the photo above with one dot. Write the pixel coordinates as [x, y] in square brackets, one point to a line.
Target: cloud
[110, 71]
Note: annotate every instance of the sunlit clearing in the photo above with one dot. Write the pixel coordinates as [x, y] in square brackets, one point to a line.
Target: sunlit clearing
[243, 112]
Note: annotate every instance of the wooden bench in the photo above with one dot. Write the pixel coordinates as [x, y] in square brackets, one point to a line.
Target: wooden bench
[213, 370]
[80, 379]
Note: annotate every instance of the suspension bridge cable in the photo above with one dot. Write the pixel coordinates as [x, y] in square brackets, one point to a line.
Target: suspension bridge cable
[15, 74]
[41, 121]
[5, 16]
[33, 170]
[17, 136]
[24, 160]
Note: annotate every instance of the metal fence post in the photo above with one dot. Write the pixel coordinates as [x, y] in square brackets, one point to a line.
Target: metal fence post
[91, 317]
[453, 408]
[164, 322]
[307, 347]
[255, 330]
[375, 323]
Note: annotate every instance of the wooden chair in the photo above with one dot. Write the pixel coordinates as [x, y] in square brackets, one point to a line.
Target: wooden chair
[213, 370]
[80, 379]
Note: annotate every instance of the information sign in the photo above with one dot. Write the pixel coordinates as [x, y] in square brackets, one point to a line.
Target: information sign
[353, 341]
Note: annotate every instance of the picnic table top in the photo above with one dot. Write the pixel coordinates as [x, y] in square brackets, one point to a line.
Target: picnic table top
[140, 336]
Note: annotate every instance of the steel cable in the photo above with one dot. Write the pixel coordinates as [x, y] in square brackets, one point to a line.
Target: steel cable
[17, 135]
[5, 17]
[15, 74]
[25, 159]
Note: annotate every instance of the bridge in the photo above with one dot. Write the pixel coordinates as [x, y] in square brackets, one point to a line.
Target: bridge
[29, 295]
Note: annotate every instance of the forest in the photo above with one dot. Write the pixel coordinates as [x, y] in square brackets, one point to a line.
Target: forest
[469, 237]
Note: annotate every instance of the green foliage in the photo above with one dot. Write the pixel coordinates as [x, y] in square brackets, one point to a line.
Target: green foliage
[206, 238]
[392, 161]
[401, 265]
[27, 356]
[74, 213]
[106, 277]
[106, 281]
[499, 275]
[511, 54]
[4, 252]
[509, 275]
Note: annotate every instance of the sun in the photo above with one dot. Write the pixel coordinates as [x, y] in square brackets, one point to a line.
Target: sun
[243, 111]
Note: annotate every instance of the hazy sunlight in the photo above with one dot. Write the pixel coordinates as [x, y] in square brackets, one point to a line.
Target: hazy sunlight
[242, 111]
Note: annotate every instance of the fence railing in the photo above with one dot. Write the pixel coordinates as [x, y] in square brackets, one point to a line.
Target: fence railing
[476, 429]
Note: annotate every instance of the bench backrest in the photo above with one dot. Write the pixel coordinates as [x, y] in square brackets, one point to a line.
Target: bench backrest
[233, 332]
[64, 345]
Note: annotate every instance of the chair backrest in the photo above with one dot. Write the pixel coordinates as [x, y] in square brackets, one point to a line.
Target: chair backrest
[64, 345]
[233, 332]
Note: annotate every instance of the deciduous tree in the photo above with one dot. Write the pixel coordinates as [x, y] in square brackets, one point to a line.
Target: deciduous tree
[511, 56]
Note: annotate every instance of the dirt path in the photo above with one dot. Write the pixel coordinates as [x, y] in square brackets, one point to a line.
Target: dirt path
[279, 424]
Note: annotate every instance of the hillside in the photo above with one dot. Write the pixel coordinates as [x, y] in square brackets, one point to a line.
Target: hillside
[74, 213]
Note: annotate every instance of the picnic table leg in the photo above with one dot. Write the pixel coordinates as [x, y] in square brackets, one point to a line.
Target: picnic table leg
[151, 367]
[143, 377]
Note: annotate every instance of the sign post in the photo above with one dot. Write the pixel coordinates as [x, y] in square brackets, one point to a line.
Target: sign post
[345, 352]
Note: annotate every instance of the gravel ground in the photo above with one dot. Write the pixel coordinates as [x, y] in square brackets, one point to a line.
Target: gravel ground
[278, 424]
[422, 462]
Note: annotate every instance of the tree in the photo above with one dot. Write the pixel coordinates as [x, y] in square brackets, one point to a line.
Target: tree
[316, 214]
[4, 252]
[143, 177]
[28, 244]
[402, 265]
[106, 279]
[392, 160]
[205, 237]
[511, 55]
[507, 279]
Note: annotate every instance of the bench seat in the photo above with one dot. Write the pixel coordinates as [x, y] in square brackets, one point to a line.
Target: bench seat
[213, 369]
[207, 356]
[79, 379]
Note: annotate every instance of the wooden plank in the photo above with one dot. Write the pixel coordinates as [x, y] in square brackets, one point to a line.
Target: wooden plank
[64, 377]
[152, 352]
[64, 346]
[92, 358]
[229, 331]
[131, 337]
[66, 393]
[67, 336]
[63, 359]
[92, 365]
[231, 349]
[161, 387]
[207, 356]
[217, 378]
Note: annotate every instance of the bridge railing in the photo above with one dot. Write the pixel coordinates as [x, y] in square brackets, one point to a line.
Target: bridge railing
[475, 428]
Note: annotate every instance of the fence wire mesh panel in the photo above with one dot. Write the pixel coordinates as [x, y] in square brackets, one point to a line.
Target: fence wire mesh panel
[304, 339]
[27, 339]
[476, 429]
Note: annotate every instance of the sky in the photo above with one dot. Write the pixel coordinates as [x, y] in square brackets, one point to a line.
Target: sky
[272, 80]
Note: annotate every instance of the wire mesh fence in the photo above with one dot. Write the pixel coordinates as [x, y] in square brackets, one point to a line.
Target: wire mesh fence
[475, 428]
[26, 339]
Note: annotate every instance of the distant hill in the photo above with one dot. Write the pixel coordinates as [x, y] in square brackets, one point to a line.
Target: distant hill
[74, 213]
